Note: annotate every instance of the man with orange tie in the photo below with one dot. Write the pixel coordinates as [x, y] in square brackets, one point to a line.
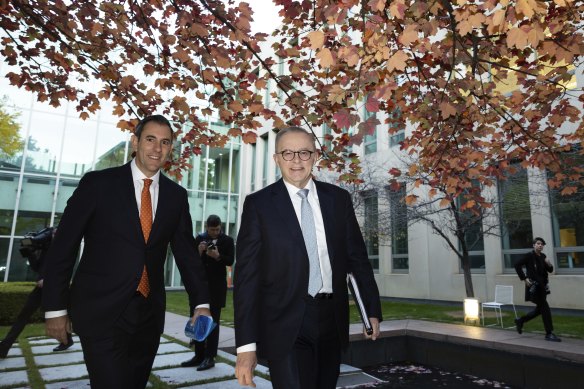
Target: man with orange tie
[127, 216]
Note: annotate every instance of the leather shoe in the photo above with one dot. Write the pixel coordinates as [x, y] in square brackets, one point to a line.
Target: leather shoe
[63, 346]
[206, 364]
[194, 361]
[519, 326]
[552, 338]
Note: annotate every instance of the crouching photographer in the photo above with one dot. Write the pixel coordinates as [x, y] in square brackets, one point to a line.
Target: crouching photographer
[33, 247]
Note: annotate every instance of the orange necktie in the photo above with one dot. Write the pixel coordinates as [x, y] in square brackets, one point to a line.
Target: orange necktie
[146, 222]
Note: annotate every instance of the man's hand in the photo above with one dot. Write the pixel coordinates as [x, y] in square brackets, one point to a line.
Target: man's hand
[58, 327]
[375, 325]
[202, 247]
[198, 312]
[40, 283]
[528, 282]
[213, 253]
[244, 366]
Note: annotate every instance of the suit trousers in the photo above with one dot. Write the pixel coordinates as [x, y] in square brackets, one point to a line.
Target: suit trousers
[541, 308]
[33, 302]
[315, 359]
[123, 357]
[208, 347]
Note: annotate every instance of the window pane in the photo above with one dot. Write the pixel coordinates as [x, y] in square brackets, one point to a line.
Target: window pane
[77, 157]
[571, 260]
[515, 211]
[36, 203]
[399, 229]
[44, 142]
[400, 263]
[20, 270]
[567, 215]
[4, 242]
[9, 184]
[111, 146]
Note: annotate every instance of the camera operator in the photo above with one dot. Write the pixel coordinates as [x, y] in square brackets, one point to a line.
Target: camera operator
[33, 247]
[217, 252]
[537, 267]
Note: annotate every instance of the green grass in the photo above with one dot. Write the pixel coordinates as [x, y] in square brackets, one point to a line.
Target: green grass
[565, 325]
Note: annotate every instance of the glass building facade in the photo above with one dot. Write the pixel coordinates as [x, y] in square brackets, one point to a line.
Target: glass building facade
[58, 148]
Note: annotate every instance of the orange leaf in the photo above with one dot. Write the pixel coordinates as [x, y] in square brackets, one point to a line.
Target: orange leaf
[517, 37]
[326, 58]
[447, 110]
[411, 199]
[397, 61]
[316, 39]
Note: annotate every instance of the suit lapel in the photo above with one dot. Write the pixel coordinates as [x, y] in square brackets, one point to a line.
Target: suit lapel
[285, 209]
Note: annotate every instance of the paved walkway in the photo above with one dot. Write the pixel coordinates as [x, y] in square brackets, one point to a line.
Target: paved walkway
[67, 370]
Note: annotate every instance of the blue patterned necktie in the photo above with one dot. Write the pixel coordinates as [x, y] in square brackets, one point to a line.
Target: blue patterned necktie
[309, 234]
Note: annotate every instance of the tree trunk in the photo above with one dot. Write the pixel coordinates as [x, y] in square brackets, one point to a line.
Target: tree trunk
[467, 276]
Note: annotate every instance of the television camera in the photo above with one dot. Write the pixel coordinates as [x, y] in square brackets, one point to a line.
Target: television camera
[34, 243]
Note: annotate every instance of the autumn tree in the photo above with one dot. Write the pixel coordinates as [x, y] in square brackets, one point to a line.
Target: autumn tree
[185, 59]
[9, 133]
[478, 84]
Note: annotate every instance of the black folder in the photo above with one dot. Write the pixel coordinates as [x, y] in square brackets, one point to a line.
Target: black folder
[354, 288]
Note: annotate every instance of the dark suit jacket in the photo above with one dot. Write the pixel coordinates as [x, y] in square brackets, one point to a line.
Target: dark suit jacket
[103, 212]
[216, 270]
[271, 271]
[536, 269]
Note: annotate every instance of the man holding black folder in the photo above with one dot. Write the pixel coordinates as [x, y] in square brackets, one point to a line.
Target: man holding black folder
[298, 241]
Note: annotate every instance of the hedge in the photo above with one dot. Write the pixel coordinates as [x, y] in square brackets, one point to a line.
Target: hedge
[13, 296]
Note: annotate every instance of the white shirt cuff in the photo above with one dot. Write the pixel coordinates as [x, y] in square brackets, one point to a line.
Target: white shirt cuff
[53, 314]
[246, 347]
[208, 306]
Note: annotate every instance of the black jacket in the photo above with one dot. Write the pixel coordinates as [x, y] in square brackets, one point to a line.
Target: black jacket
[216, 270]
[536, 269]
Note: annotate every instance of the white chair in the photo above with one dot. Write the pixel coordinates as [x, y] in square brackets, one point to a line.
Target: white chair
[503, 296]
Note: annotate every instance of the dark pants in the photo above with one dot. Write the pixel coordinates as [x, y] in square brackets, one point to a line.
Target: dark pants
[123, 357]
[314, 361]
[541, 308]
[33, 302]
[208, 347]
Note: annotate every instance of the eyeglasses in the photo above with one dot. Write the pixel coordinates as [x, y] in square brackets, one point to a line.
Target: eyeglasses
[288, 155]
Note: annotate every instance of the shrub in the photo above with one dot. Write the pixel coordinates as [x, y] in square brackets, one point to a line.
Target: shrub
[13, 296]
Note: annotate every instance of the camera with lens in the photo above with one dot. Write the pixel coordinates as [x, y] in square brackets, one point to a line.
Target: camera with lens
[32, 242]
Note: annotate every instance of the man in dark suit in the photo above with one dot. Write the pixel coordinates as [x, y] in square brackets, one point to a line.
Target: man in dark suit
[216, 250]
[535, 276]
[127, 216]
[297, 242]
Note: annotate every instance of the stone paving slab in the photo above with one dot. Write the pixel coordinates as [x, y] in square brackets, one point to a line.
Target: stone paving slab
[181, 375]
[14, 351]
[63, 372]
[166, 348]
[60, 359]
[45, 341]
[12, 378]
[77, 384]
[175, 359]
[260, 382]
[12, 363]
[346, 369]
[48, 349]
